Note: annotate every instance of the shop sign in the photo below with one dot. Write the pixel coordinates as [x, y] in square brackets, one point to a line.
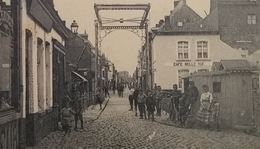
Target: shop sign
[188, 64]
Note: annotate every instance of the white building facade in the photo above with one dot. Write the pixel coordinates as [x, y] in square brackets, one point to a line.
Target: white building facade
[36, 60]
[185, 43]
[177, 56]
[41, 33]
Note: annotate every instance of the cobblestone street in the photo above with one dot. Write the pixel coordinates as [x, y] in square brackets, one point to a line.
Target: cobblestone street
[120, 129]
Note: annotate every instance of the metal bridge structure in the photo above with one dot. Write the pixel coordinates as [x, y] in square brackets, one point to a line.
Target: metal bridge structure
[106, 25]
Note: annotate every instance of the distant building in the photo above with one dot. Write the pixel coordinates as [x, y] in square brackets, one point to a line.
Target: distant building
[123, 76]
[79, 61]
[238, 22]
[186, 43]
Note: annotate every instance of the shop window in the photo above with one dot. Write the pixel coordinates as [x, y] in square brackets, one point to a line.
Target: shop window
[183, 50]
[202, 49]
[182, 73]
[251, 19]
[216, 87]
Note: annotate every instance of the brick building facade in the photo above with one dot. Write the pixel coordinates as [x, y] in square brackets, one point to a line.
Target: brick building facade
[238, 22]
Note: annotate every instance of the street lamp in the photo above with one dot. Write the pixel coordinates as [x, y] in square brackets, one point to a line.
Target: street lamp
[74, 27]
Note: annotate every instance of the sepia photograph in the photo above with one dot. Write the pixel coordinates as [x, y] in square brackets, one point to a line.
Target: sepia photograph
[129, 74]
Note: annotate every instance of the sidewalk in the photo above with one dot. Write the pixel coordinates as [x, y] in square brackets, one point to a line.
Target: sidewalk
[57, 139]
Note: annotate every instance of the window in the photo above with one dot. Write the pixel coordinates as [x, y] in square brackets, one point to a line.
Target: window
[203, 70]
[179, 24]
[216, 87]
[182, 73]
[202, 49]
[183, 50]
[251, 19]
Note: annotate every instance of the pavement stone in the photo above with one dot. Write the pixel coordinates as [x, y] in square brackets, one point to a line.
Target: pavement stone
[119, 128]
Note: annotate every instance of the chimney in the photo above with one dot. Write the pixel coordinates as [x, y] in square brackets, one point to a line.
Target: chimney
[85, 36]
[161, 22]
[213, 5]
[176, 2]
[167, 21]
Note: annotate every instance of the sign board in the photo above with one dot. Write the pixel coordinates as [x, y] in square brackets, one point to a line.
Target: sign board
[189, 64]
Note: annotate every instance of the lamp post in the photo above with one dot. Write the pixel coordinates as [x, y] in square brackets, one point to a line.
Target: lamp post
[74, 27]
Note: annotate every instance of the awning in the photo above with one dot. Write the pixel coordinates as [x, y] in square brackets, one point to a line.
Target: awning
[80, 76]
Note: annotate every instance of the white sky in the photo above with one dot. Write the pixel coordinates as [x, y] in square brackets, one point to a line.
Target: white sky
[121, 47]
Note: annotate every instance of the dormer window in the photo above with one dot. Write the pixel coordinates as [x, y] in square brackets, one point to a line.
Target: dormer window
[180, 24]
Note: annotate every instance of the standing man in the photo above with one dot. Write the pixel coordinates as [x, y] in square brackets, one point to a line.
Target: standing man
[106, 91]
[141, 104]
[157, 100]
[150, 104]
[78, 108]
[175, 97]
[135, 96]
[130, 97]
[114, 87]
[187, 102]
[122, 90]
[192, 96]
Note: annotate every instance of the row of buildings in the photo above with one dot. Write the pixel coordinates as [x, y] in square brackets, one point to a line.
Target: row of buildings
[39, 58]
[183, 42]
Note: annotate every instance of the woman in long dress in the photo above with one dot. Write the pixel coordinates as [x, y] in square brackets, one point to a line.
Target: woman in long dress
[204, 112]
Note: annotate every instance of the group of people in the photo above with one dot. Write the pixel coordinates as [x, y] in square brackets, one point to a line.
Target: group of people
[146, 101]
[182, 105]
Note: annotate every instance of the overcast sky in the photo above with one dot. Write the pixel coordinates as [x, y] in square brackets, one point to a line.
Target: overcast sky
[121, 47]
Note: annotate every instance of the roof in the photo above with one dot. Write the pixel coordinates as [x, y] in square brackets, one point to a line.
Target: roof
[236, 65]
[192, 22]
[79, 76]
[43, 12]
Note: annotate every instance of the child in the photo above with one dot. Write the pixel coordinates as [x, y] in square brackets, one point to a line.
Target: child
[67, 116]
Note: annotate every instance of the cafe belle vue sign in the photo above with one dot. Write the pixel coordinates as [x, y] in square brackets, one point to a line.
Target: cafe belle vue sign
[191, 64]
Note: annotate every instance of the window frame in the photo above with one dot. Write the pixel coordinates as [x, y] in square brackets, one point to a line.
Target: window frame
[177, 50]
[251, 19]
[202, 58]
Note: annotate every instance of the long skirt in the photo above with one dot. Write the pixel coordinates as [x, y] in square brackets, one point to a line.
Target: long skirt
[204, 113]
